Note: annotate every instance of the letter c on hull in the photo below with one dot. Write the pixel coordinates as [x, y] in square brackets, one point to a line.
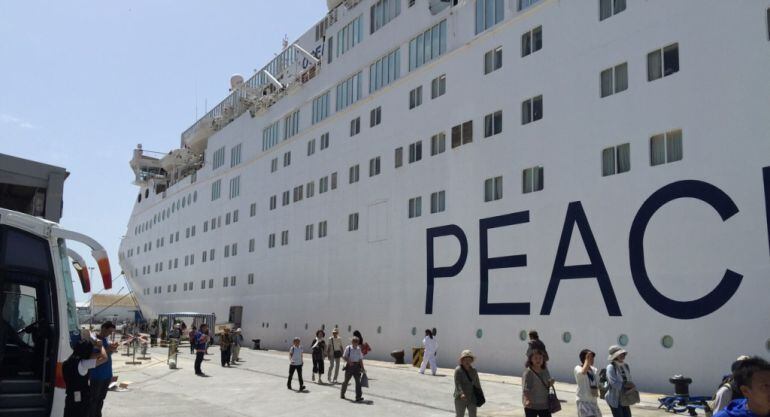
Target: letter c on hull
[730, 282]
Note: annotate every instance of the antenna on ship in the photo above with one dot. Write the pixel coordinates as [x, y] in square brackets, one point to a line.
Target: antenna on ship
[285, 42]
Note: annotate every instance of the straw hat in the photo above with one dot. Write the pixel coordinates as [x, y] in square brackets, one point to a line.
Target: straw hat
[615, 351]
[467, 354]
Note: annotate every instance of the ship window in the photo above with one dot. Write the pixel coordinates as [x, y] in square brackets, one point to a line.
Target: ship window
[438, 86]
[235, 155]
[287, 159]
[211, 254]
[253, 210]
[493, 60]
[623, 340]
[203, 284]
[353, 173]
[203, 256]
[285, 198]
[399, 156]
[147, 193]
[298, 194]
[232, 281]
[532, 41]
[355, 126]
[271, 240]
[616, 159]
[227, 219]
[225, 281]
[479, 333]
[273, 202]
[310, 189]
[334, 181]
[270, 136]
[234, 249]
[310, 147]
[489, 13]
[227, 251]
[325, 141]
[415, 207]
[462, 134]
[251, 245]
[608, 8]
[414, 331]
[532, 179]
[614, 80]
[493, 189]
[322, 229]
[352, 222]
[274, 165]
[374, 166]
[415, 97]
[323, 185]
[415, 151]
[532, 110]
[309, 232]
[663, 62]
[382, 12]
[421, 47]
[437, 144]
[438, 202]
[566, 337]
[666, 147]
[291, 125]
[211, 283]
[216, 188]
[667, 341]
[768, 23]
[251, 279]
[350, 35]
[348, 92]
[375, 116]
[219, 158]
[284, 238]
[493, 123]
[320, 107]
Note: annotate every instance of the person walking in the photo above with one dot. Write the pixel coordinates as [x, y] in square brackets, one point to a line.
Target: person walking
[430, 345]
[334, 353]
[237, 342]
[466, 378]
[354, 365]
[295, 364]
[201, 340]
[619, 381]
[535, 384]
[225, 346]
[318, 350]
[101, 376]
[586, 378]
[536, 344]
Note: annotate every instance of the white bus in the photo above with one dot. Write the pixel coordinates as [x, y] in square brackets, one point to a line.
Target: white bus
[39, 314]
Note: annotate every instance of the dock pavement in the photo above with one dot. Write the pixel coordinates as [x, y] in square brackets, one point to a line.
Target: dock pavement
[257, 387]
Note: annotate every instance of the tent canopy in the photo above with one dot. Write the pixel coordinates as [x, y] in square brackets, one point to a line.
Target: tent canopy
[204, 318]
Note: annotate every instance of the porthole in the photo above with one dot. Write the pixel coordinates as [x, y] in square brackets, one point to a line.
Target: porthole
[523, 335]
[414, 333]
[479, 333]
[667, 341]
[623, 340]
[286, 325]
[263, 324]
[267, 325]
[350, 328]
[566, 337]
[323, 327]
[305, 326]
[379, 329]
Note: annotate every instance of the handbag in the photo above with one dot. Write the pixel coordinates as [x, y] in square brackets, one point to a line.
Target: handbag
[338, 354]
[554, 405]
[628, 396]
[477, 392]
[364, 380]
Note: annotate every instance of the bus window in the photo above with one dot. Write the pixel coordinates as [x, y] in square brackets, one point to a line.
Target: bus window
[26, 251]
[72, 310]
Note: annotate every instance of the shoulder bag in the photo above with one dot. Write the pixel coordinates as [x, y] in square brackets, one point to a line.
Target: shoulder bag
[628, 396]
[554, 406]
[477, 392]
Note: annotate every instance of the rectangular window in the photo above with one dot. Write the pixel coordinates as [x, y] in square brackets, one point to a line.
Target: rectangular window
[437, 143]
[415, 151]
[273, 202]
[203, 284]
[298, 194]
[287, 159]
[323, 185]
[211, 283]
[462, 134]
[493, 188]
[253, 210]
[438, 86]
[349, 36]
[488, 14]
[274, 165]
[375, 116]
[493, 123]
[270, 136]
[235, 187]
[374, 166]
[232, 281]
[284, 238]
[609, 8]
[438, 202]
[532, 110]
[666, 147]
[348, 92]
[324, 141]
[309, 232]
[320, 107]
[493, 60]
[355, 126]
[415, 207]
[532, 179]
[415, 97]
[291, 124]
[271, 240]
[616, 159]
[310, 147]
[235, 155]
[225, 281]
[614, 80]
[251, 279]
[227, 219]
[212, 252]
[204, 256]
[523, 4]
[227, 251]
[334, 181]
[663, 62]
[399, 156]
[251, 245]
[216, 189]
[382, 12]
[385, 71]
[219, 158]
[285, 200]
[322, 229]
[428, 45]
[352, 222]
[353, 173]
[532, 41]
[310, 189]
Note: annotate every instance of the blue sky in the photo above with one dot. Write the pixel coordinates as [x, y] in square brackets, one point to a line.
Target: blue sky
[82, 82]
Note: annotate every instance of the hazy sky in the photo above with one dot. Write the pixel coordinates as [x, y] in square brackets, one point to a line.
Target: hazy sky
[82, 82]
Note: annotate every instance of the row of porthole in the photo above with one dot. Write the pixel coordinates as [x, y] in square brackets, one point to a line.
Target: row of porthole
[323, 327]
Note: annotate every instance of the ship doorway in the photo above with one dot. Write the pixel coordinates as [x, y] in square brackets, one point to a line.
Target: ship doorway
[236, 313]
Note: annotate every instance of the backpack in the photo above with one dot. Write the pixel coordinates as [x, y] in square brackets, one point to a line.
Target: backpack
[604, 384]
[727, 381]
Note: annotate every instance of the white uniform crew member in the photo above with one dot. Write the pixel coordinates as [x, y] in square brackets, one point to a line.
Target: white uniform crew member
[430, 344]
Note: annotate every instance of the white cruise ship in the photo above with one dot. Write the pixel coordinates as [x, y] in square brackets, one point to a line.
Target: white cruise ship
[598, 170]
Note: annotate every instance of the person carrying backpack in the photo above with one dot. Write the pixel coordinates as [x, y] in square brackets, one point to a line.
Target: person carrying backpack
[752, 377]
[727, 390]
[621, 392]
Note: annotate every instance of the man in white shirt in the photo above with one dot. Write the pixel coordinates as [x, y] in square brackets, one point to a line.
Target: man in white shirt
[354, 360]
[295, 364]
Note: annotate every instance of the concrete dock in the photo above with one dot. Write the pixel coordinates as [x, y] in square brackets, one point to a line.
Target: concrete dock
[257, 387]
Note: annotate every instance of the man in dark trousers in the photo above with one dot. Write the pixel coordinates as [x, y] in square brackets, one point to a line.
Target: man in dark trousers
[85, 356]
[201, 343]
[101, 376]
[536, 344]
